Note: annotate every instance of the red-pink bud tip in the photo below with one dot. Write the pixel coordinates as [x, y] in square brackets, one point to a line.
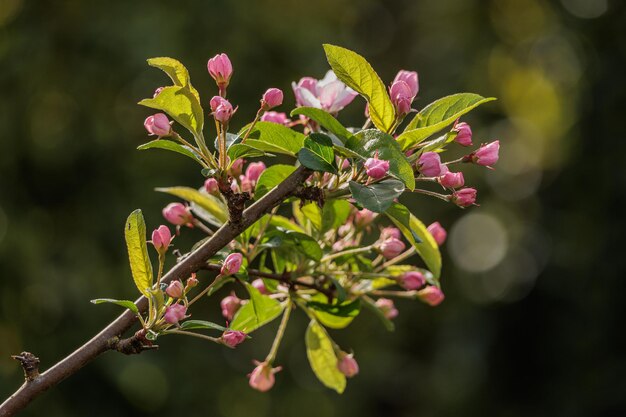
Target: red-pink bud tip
[347, 365]
[232, 338]
[438, 233]
[158, 125]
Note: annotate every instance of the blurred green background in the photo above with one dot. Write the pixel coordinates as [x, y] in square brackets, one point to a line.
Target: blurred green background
[533, 324]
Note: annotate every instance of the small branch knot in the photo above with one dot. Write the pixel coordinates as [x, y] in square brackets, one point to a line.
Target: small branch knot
[309, 193]
[236, 201]
[132, 345]
[30, 364]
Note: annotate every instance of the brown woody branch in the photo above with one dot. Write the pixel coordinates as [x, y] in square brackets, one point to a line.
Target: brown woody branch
[108, 338]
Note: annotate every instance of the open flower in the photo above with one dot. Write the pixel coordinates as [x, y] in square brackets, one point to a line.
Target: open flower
[328, 93]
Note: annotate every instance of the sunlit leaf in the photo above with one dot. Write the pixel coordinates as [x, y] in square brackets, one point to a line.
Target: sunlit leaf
[175, 70]
[275, 138]
[271, 177]
[258, 311]
[324, 119]
[336, 315]
[358, 74]
[182, 105]
[377, 197]
[322, 357]
[318, 154]
[140, 266]
[201, 324]
[169, 145]
[211, 204]
[122, 303]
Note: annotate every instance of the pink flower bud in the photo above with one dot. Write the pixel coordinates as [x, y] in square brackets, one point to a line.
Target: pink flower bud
[232, 264]
[192, 281]
[401, 97]
[438, 232]
[412, 280]
[487, 155]
[347, 365]
[392, 247]
[431, 295]
[175, 313]
[211, 186]
[262, 377]
[376, 168]
[389, 232]
[230, 304]
[429, 164]
[236, 168]
[275, 117]
[246, 185]
[157, 92]
[345, 164]
[254, 171]
[387, 307]
[273, 97]
[364, 217]
[215, 102]
[464, 197]
[232, 338]
[175, 289]
[464, 134]
[158, 125]
[410, 78]
[177, 214]
[221, 70]
[223, 112]
[451, 179]
[260, 285]
[161, 238]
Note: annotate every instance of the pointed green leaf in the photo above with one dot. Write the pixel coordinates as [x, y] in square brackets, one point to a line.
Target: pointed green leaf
[322, 358]
[336, 315]
[324, 119]
[258, 311]
[371, 142]
[334, 214]
[438, 115]
[122, 303]
[275, 138]
[201, 324]
[358, 74]
[418, 235]
[169, 145]
[242, 150]
[376, 197]
[182, 105]
[140, 265]
[175, 70]
[318, 153]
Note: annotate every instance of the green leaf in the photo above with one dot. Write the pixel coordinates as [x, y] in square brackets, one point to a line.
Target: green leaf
[288, 241]
[275, 138]
[259, 311]
[417, 234]
[371, 142]
[358, 74]
[182, 105]
[313, 213]
[201, 324]
[140, 265]
[175, 70]
[322, 358]
[271, 177]
[318, 153]
[334, 214]
[242, 150]
[169, 145]
[213, 206]
[376, 197]
[438, 115]
[439, 143]
[122, 303]
[326, 120]
[335, 316]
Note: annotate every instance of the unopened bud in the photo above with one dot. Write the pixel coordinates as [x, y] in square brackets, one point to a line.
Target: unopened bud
[175, 289]
[232, 338]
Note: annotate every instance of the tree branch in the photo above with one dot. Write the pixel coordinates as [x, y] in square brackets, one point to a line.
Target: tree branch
[108, 338]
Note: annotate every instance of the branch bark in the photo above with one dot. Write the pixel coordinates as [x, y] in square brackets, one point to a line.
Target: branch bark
[106, 339]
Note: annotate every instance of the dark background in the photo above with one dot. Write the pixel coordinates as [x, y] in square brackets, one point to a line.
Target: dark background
[533, 324]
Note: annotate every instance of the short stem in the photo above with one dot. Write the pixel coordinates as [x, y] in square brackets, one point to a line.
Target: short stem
[202, 227]
[206, 290]
[279, 334]
[397, 259]
[198, 335]
[222, 146]
[346, 252]
[399, 294]
[256, 119]
[456, 161]
[189, 145]
[432, 194]
[161, 263]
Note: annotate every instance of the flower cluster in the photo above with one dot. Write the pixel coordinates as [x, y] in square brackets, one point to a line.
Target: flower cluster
[347, 245]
